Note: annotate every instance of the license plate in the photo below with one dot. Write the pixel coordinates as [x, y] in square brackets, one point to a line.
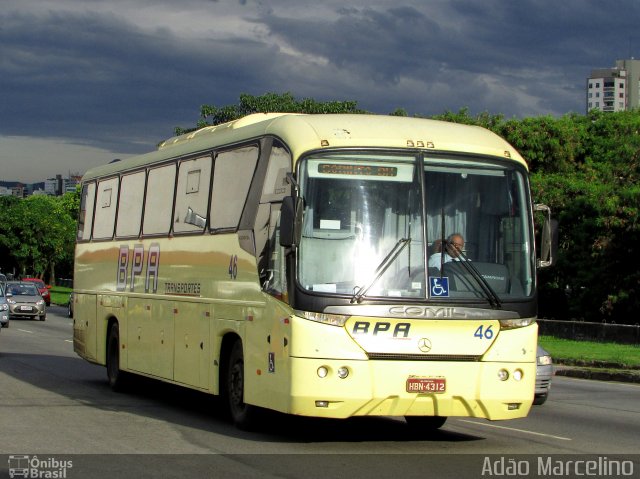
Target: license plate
[25, 308]
[426, 385]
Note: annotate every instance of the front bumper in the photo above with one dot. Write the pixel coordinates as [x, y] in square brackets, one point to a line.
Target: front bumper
[379, 388]
[21, 310]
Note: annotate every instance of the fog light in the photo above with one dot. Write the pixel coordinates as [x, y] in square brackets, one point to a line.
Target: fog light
[322, 372]
[322, 403]
[517, 374]
[513, 405]
[503, 375]
[343, 372]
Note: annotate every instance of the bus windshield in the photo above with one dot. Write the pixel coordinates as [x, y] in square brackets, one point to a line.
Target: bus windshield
[397, 226]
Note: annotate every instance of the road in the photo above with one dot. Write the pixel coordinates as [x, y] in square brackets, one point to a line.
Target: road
[53, 404]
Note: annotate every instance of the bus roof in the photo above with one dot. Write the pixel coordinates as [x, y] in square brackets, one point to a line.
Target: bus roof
[302, 133]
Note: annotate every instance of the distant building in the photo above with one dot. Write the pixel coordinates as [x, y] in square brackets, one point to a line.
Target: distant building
[53, 186]
[614, 89]
[72, 182]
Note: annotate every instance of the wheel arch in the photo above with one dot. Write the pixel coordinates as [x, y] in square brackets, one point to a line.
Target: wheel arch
[104, 334]
[226, 345]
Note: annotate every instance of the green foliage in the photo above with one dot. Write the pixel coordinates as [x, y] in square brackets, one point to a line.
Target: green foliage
[268, 103]
[592, 186]
[38, 233]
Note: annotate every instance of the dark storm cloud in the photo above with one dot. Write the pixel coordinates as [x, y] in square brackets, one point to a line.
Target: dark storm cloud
[100, 77]
[122, 81]
[542, 50]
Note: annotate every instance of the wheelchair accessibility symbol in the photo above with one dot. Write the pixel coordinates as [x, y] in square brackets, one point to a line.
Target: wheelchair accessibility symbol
[439, 286]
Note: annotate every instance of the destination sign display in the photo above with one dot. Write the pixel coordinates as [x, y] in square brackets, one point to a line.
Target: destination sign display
[357, 170]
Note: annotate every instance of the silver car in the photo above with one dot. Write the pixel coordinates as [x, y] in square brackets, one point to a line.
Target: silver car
[25, 301]
[4, 308]
[544, 373]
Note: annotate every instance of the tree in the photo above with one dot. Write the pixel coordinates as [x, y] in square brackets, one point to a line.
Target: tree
[593, 189]
[38, 233]
[267, 103]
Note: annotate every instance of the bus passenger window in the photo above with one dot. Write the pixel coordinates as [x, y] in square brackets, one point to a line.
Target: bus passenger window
[130, 205]
[85, 221]
[106, 209]
[192, 195]
[159, 201]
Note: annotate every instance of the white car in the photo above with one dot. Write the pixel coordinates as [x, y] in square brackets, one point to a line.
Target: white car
[25, 301]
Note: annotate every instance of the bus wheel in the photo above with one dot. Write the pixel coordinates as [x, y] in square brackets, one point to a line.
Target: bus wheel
[243, 415]
[117, 378]
[425, 423]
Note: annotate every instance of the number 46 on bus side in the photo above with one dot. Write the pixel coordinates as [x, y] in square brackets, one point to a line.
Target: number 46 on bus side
[233, 266]
[484, 332]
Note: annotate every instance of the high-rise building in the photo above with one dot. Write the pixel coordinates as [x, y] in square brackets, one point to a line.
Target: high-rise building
[615, 89]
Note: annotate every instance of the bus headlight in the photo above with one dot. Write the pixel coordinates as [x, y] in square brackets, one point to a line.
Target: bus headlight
[516, 323]
[322, 372]
[517, 374]
[503, 375]
[343, 372]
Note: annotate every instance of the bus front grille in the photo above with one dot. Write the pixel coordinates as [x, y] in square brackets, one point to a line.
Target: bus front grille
[424, 357]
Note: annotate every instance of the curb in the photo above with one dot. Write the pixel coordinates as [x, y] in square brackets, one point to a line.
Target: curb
[619, 375]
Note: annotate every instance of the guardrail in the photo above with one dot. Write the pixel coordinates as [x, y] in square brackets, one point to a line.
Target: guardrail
[604, 332]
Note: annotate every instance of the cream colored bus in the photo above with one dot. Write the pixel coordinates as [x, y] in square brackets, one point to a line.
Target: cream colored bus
[317, 265]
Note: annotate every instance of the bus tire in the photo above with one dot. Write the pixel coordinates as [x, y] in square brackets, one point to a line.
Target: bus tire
[117, 377]
[425, 423]
[244, 416]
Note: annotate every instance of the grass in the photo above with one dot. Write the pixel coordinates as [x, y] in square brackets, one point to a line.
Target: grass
[589, 351]
[60, 295]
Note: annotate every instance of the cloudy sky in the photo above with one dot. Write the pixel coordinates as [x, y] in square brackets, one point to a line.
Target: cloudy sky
[85, 81]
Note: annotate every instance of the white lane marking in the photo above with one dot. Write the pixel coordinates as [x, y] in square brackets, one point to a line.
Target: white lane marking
[25, 331]
[517, 430]
[68, 341]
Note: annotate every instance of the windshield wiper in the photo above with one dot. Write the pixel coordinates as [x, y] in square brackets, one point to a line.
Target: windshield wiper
[489, 293]
[361, 291]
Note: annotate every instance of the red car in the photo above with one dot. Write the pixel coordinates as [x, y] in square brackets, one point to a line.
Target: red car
[42, 289]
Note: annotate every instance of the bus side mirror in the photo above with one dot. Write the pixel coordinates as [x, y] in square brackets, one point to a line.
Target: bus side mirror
[290, 221]
[548, 237]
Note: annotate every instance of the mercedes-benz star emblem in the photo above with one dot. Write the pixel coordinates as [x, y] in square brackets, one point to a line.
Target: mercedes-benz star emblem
[424, 345]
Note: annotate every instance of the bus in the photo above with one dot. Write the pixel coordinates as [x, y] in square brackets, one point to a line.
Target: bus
[286, 262]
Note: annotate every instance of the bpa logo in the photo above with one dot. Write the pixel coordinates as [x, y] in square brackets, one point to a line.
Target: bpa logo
[439, 287]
